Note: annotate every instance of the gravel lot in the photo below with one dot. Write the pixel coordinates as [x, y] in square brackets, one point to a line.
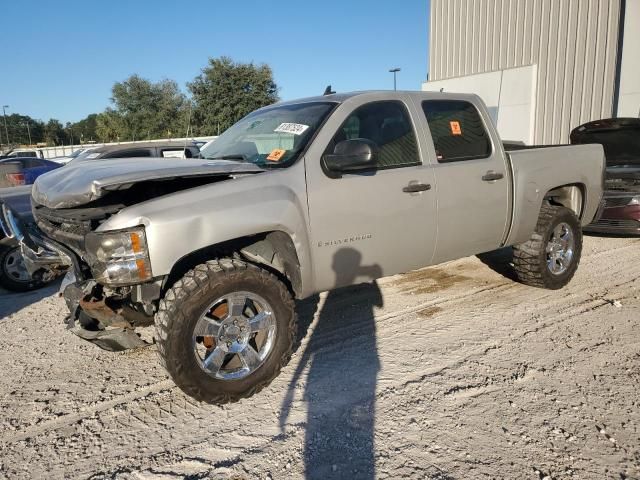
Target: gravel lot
[451, 372]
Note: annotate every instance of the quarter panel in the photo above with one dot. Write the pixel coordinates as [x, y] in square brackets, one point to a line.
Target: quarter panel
[538, 170]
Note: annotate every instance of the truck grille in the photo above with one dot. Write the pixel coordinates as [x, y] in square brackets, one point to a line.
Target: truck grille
[68, 231]
[612, 202]
[616, 224]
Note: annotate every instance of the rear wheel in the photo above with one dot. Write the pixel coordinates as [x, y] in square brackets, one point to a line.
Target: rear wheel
[13, 273]
[225, 330]
[550, 257]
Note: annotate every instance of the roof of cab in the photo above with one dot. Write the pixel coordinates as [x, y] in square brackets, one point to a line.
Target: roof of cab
[342, 97]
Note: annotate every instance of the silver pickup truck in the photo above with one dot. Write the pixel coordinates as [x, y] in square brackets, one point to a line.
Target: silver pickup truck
[294, 199]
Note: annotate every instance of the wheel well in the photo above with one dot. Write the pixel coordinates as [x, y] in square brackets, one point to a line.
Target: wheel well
[273, 251]
[569, 196]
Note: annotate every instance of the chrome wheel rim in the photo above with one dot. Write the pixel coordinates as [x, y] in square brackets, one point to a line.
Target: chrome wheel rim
[560, 249]
[234, 336]
[14, 266]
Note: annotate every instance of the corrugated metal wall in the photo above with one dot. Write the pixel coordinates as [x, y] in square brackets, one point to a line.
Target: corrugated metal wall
[573, 42]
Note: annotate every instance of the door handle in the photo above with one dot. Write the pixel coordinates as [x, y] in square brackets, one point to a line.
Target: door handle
[491, 176]
[416, 187]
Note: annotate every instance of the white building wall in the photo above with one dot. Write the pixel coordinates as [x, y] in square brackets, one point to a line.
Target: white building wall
[572, 43]
[629, 98]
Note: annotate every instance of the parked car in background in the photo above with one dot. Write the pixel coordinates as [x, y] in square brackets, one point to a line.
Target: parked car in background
[620, 138]
[16, 171]
[23, 152]
[67, 158]
[15, 204]
[166, 149]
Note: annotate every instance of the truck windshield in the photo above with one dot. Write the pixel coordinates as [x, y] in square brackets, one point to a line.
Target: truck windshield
[270, 137]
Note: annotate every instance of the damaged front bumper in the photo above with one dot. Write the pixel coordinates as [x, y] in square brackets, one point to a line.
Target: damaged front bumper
[105, 321]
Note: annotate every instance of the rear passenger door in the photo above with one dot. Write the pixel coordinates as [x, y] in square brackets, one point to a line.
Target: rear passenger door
[471, 179]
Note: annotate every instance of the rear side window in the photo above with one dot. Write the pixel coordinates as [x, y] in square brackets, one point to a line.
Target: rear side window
[389, 126]
[457, 130]
[143, 152]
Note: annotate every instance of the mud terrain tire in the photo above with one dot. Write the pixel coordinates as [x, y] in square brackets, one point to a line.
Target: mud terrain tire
[531, 258]
[185, 302]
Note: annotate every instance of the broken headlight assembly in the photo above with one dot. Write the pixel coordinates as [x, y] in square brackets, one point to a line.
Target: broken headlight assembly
[119, 257]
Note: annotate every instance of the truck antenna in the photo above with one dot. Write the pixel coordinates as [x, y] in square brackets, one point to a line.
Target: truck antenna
[328, 91]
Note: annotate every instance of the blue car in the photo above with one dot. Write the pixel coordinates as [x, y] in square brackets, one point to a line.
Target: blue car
[23, 170]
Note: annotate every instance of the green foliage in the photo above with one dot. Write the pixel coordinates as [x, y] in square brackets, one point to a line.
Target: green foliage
[109, 126]
[143, 110]
[24, 130]
[226, 91]
[54, 133]
[19, 127]
[85, 129]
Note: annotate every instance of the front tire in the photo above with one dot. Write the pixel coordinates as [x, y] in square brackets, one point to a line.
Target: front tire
[225, 330]
[550, 257]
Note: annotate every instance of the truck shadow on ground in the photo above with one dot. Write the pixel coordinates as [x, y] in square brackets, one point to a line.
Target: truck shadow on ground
[12, 302]
[341, 359]
[500, 261]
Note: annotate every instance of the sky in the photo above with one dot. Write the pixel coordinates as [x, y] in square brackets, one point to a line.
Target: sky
[60, 59]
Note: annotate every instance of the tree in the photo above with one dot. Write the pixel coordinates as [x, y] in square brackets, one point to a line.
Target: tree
[143, 110]
[109, 126]
[22, 129]
[226, 91]
[85, 129]
[54, 133]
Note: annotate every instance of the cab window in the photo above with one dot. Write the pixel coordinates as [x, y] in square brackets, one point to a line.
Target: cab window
[142, 152]
[457, 130]
[388, 125]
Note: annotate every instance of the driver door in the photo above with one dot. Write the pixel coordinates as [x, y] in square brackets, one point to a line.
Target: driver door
[375, 222]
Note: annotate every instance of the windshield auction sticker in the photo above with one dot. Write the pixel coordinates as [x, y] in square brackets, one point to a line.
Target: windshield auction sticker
[295, 128]
[276, 154]
[455, 128]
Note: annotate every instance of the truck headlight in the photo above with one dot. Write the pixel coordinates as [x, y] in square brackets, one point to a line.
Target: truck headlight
[119, 257]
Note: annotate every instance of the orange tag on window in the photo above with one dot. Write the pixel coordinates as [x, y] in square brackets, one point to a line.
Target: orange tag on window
[455, 128]
[276, 154]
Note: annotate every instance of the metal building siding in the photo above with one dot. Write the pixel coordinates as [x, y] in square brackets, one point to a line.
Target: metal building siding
[572, 42]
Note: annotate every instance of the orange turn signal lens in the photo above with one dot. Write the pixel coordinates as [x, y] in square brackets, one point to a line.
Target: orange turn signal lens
[135, 243]
[142, 269]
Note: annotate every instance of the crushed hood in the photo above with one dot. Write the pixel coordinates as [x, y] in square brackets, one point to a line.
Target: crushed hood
[84, 182]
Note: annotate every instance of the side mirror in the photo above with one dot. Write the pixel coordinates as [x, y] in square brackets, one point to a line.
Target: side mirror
[352, 155]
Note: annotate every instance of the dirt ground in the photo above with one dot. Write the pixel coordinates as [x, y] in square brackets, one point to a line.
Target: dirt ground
[452, 372]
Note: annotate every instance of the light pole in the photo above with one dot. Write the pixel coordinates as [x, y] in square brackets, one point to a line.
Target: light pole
[394, 71]
[6, 130]
[29, 132]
